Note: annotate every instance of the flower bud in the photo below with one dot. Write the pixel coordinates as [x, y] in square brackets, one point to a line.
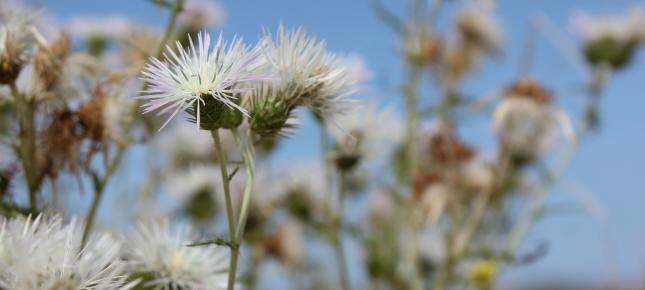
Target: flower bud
[269, 116]
[214, 114]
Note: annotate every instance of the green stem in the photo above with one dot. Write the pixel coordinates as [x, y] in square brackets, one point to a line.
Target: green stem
[324, 158]
[99, 188]
[176, 9]
[410, 91]
[248, 153]
[341, 262]
[249, 160]
[25, 111]
[221, 158]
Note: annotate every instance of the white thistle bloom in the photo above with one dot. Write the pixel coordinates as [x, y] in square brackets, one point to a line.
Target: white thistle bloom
[622, 28]
[204, 71]
[157, 251]
[527, 127]
[184, 146]
[112, 26]
[44, 253]
[116, 115]
[286, 243]
[309, 74]
[478, 27]
[190, 182]
[201, 14]
[364, 130]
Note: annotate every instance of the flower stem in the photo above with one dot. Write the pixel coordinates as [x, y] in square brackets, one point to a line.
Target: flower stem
[27, 137]
[221, 158]
[410, 92]
[249, 161]
[99, 188]
[338, 234]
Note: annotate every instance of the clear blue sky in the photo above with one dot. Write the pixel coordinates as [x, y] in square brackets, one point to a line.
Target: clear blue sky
[610, 163]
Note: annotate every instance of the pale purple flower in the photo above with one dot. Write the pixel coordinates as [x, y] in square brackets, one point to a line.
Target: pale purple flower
[218, 71]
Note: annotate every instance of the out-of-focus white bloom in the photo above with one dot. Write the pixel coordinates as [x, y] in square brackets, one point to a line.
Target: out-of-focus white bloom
[186, 184]
[202, 14]
[139, 43]
[155, 250]
[14, 43]
[619, 27]
[184, 145]
[381, 205]
[112, 26]
[431, 245]
[117, 113]
[526, 126]
[434, 200]
[477, 174]
[286, 243]
[217, 72]
[301, 190]
[364, 130]
[44, 253]
[310, 75]
[478, 27]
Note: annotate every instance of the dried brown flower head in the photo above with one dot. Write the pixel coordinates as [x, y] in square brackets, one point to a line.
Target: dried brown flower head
[49, 62]
[457, 62]
[63, 138]
[422, 180]
[284, 243]
[446, 149]
[91, 113]
[530, 89]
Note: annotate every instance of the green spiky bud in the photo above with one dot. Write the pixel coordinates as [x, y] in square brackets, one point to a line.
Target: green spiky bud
[187, 32]
[608, 50]
[201, 206]
[213, 114]
[269, 116]
[96, 45]
[347, 162]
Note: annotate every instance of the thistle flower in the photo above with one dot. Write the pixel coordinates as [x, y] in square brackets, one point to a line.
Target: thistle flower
[44, 253]
[117, 114]
[309, 74]
[300, 191]
[285, 243]
[49, 61]
[200, 14]
[164, 261]
[196, 188]
[360, 132]
[185, 147]
[422, 47]
[203, 80]
[478, 29]
[527, 121]
[611, 39]
[270, 110]
[14, 43]
[97, 32]
[139, 42]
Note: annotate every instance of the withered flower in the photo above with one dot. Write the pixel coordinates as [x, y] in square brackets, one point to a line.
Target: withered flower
[49, 62]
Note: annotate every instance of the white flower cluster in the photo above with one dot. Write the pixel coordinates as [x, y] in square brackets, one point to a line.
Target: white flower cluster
[623, 28]
[45, 253]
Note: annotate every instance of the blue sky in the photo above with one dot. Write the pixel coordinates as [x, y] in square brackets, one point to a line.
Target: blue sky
[610, 163]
